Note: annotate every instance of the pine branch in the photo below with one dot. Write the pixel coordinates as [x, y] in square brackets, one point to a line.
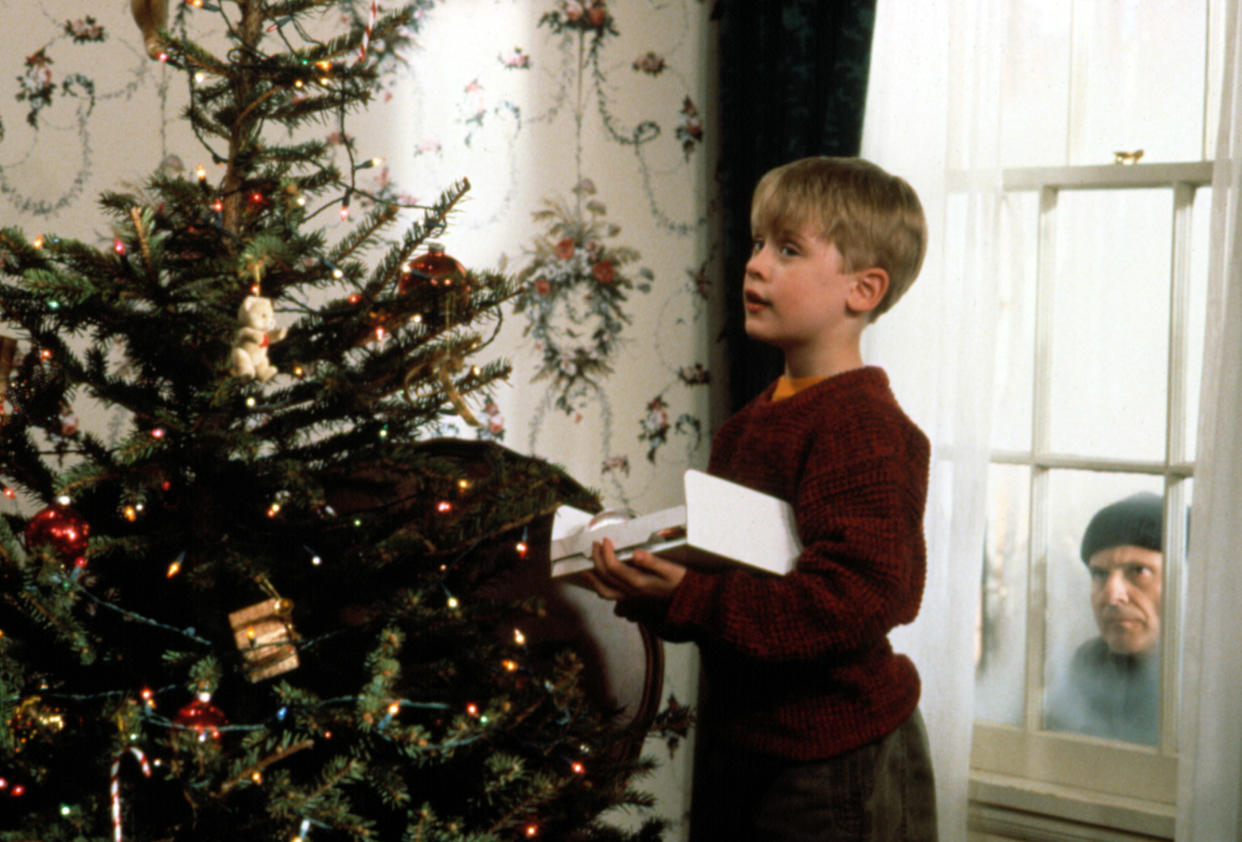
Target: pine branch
[257, 768]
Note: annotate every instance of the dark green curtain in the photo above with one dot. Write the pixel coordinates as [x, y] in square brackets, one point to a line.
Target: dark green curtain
[793, 83]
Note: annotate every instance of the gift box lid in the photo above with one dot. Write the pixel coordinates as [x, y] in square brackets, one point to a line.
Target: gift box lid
[721, 523]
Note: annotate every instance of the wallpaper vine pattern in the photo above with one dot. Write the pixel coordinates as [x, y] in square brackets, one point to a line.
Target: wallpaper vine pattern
[574, 293]
[58, 99]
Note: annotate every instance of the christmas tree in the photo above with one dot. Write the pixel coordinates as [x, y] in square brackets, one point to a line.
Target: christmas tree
[274, 604]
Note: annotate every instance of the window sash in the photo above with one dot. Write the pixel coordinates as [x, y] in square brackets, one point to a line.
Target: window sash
[1107, 176]
[1029, 752]
[1085, 764]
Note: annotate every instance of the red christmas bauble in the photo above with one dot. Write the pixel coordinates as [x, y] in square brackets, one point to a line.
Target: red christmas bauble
[63, 528]
[202, 716]
[434, 267]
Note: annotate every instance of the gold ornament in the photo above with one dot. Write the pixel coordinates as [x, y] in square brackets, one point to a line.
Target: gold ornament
[151, 16]
[264, 635]
[442, 367]
[34, 719]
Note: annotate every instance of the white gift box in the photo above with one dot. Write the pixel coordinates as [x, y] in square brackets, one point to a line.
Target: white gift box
[721, 523]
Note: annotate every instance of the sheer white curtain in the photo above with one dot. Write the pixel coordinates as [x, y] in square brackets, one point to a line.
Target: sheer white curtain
[931, 110]
[1209, 797]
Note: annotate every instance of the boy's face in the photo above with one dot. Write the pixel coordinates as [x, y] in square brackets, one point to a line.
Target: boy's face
[795, 289]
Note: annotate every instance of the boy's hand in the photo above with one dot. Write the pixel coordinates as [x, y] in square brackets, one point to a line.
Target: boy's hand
[645, 575]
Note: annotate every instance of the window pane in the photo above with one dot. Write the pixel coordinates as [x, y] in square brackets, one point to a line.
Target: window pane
[1139, 71]
[1110, 323]
[1102, 667]
[1000, 651]
[1015, 329]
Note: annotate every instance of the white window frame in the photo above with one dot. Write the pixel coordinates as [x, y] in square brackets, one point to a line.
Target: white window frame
[1077, 779]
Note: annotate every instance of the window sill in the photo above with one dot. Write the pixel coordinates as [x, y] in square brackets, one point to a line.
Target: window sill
[1003, 807]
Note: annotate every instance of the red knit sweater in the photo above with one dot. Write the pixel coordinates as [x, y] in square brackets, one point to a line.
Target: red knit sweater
[800, 666]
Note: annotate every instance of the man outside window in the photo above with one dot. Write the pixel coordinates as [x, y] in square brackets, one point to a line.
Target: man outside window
[1112, 685]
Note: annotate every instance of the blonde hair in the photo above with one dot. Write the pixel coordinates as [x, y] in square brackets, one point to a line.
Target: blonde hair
[873, 218]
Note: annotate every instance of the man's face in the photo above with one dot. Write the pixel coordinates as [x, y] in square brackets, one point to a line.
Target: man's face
[1126, 588]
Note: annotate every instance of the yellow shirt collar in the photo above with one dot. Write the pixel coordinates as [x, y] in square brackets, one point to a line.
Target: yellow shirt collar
[787, 387]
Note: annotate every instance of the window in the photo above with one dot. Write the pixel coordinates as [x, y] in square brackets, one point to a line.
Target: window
[1102, 280]
[1104, 316]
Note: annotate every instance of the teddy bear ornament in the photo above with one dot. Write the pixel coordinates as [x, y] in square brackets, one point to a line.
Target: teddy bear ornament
[257, 331]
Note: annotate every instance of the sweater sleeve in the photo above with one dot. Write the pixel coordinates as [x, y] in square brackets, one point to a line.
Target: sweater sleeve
[859, 509]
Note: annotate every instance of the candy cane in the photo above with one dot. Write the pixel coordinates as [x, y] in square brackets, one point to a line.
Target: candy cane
[115, 788]
[366, 33]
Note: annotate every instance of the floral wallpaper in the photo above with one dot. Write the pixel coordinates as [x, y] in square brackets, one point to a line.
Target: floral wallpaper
[582, 126]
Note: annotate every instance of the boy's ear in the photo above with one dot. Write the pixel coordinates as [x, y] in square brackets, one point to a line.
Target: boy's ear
[867, 290]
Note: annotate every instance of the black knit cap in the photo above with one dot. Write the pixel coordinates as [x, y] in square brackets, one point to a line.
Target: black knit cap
[1136, 521]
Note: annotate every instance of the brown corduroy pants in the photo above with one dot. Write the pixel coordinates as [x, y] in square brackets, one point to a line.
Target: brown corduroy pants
[880, 792]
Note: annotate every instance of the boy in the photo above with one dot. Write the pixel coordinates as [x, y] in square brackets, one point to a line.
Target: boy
[809, 724]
